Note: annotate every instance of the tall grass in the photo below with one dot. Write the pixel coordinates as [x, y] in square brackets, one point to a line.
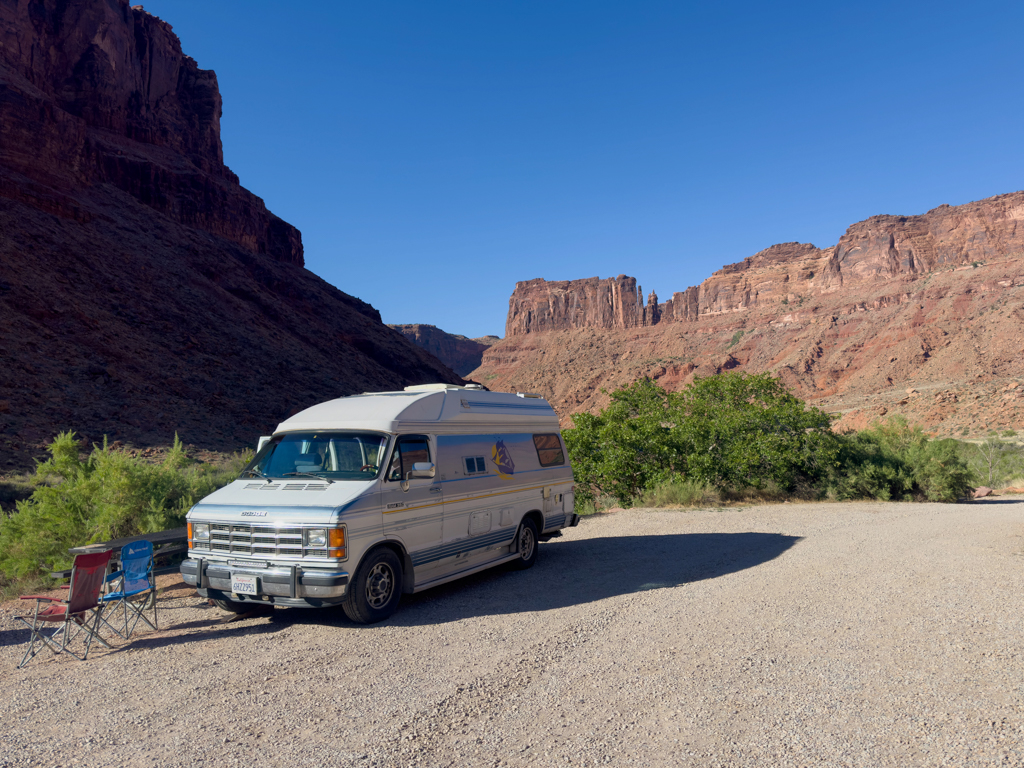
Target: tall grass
[680, 492]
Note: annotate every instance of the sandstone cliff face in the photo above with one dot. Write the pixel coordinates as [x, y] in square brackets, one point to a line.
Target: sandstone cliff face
[143, 292]
[539, 305]
[101, 93]
[882, 252]
[459, 353]
[931, 303]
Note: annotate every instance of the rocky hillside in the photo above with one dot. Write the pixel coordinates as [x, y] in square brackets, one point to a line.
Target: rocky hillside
[920, 315]
[459, 353]
[142, 289]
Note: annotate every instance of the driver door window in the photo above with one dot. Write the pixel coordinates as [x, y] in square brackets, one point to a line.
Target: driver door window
[410, 450]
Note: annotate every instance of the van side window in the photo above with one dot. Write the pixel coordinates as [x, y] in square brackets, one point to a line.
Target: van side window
[410, 450]
[549, 450]
[474, 465]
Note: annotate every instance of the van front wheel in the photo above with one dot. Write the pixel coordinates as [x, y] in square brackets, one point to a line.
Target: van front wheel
[374, 593]
[526, 545]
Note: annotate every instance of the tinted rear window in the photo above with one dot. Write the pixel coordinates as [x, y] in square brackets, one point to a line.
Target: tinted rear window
[549, 450]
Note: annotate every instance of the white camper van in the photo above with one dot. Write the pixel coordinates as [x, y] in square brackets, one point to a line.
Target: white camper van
[354, 501]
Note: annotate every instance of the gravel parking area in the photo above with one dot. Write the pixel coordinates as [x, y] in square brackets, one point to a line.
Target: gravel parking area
[789, 635]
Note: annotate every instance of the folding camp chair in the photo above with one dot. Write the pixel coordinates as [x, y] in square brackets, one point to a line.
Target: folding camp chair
[74, 614]
[134, 580]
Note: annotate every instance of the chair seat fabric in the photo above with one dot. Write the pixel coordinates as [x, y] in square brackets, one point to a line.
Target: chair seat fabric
[80, 613]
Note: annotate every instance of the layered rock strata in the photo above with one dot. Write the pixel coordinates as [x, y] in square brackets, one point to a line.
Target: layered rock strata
[95, 93]
[881, 251]
[143, 292]
[933, 303]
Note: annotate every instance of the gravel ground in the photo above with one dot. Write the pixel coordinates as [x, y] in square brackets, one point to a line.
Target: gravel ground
[788, 635]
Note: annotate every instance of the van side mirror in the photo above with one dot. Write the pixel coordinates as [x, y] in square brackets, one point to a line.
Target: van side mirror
[419, 469]
[422, 469]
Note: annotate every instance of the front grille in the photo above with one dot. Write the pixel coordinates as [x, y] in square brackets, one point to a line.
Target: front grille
[261, 540]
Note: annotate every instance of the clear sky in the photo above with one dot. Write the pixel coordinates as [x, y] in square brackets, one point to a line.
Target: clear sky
[434, 153]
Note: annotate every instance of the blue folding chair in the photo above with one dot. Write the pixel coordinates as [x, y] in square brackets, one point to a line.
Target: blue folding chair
[134, 580]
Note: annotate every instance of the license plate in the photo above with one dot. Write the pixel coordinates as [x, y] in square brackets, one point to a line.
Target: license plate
[243, 585]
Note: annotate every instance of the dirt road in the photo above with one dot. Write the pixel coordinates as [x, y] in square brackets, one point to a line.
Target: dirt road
[803, 635]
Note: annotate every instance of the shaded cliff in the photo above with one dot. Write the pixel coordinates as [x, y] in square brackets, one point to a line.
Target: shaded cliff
[142, 289]
[459, 353]
[931, 303]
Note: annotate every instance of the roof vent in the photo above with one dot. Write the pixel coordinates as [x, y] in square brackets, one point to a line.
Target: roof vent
[429, 387]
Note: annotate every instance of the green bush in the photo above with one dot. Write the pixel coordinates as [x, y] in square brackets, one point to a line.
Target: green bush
[730, 432]
[895, 461]
[995, 462]
[109, 495]
[746, 436]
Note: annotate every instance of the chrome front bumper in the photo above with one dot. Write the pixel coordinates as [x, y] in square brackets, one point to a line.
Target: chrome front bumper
[292, 582]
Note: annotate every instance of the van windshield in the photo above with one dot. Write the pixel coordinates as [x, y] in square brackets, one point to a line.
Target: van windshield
[331, 455]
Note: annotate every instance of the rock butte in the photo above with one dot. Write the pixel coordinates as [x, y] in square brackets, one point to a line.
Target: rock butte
[933, 301]
[143, 291]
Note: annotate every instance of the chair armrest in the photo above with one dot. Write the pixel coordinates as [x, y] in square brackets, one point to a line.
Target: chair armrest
[41, 597]
[114, 575]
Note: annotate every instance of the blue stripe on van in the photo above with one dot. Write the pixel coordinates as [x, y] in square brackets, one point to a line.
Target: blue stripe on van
[511, 406]
[463, 545]
[554, 521]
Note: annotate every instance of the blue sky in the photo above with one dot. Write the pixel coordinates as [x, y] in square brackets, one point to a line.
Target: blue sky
[434, 153]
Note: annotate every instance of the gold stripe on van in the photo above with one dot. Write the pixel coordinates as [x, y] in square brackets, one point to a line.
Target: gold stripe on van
[470, 498]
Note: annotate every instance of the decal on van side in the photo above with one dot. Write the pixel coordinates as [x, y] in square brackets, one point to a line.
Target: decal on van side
[503, 460]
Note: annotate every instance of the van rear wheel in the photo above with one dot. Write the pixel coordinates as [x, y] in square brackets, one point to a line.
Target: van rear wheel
[374, 593]
[526, 545]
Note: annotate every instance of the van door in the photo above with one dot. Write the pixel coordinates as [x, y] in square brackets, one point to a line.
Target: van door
[414, 516]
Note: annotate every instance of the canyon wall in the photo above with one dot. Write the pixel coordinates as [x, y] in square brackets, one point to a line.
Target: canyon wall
[921, 316]
[143, 291]
[883, 251]
[459, 353]
[95, 93]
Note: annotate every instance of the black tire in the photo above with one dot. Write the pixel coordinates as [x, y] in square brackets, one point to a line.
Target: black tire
[526, 545]
[374, 593]
[232, 606]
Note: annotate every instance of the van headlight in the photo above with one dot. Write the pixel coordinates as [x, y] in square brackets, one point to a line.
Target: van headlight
[316, 537]
[201, 531]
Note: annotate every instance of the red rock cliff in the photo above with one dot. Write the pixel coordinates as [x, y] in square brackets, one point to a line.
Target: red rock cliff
[101, 93]
[883, 250]
[541, 305]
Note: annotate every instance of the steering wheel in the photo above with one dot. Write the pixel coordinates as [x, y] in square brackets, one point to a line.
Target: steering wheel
[367, 466]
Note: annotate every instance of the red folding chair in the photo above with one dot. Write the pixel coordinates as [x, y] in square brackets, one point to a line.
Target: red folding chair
[74, 614]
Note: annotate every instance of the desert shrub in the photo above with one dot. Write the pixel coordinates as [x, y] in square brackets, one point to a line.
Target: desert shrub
[627, 447]
[108, 495]
[893, 460]
[741, 431]
[729, 432]
[995, 462]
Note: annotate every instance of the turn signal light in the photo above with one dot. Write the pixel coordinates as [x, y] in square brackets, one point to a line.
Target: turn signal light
[189, 535]
[337, 543]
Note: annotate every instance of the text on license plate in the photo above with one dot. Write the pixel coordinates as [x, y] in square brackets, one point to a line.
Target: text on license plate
[243, 585]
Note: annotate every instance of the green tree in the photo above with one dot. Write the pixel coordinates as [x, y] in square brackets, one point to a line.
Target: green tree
[738, 430]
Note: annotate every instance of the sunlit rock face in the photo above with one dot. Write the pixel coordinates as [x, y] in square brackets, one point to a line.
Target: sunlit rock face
[933, 299]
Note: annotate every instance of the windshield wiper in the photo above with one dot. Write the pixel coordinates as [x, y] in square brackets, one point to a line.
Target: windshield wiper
[256, 473]
[307, 474]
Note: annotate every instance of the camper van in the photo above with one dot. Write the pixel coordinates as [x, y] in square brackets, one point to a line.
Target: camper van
[358, 500]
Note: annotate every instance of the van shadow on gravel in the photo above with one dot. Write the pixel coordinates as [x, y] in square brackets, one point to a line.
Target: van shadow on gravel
[576, 572]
